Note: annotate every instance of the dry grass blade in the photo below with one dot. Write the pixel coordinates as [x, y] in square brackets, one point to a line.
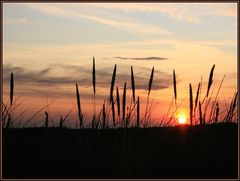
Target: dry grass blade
[175, 86]
[8, 121]
[118, 102]
[94, 92]
[191, 103]
[79, 107]
[133, 84]
[46, 119]
[94, 77]
[113, 112]
[216, 97]
[210, 80]
[150, 81]
[124, 103]
[138, 112]
[217, 113]
[30, 119]
[61, 122]
[11, 88]
[113, 82]
[200, 113]
[196, 99]
[104, 116]
[232, 108]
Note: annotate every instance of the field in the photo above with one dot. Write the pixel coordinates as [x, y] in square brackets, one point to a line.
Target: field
[208, 151]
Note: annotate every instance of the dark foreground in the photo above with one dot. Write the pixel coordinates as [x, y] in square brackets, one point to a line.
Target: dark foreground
[178, 152]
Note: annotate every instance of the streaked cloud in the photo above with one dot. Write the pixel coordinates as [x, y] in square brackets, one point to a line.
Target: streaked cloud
[16, 21]
[141, 58]
[78, 74]
[193, 12]
[127, 25]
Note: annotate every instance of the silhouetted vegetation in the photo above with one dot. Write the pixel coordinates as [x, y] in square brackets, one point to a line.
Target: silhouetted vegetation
[134, 148]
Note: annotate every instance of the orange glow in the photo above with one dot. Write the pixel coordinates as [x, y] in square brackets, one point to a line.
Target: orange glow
[182, 119]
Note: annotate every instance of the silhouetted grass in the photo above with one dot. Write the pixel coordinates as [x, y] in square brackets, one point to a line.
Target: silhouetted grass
[113, 82]
[133, 84]
[190, 104]
[128, 111]
[175, 86]
[80, 117]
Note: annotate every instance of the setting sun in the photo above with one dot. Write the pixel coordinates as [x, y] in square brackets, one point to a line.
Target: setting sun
[182, 120]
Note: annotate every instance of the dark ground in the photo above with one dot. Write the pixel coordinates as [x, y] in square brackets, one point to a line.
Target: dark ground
[177, 152]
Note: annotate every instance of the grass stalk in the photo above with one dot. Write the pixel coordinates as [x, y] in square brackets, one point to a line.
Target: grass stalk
[175, 86]
[118, 102]
[200, 113]
[11, 88]
[138, 112]
[191, 103]
[217, 113]
[133, 84]
[149, 91]
[104, 116]
[94, 92]
[124, 103]
[113, 112]
[210, 80]
[113, 82]
[80, 117]
[46, 119]
[197, 95]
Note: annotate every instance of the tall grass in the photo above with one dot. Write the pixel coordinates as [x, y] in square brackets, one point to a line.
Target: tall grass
[127, 111]
[124, 102]
[214, 102]
[150, 82]
[197, 95]
[80, 116]
[113, 82]
[11, 88]
[190, 104]
[113, 112]
[210, 80]
[217, 113]
[200, 114]
[46, 119]
[104, 116]
[138, 112]
[10, 113]
[175, 86]
[149, 91]
[61, 122]
[232, 108]
[118, 102]
[133, 84]
[94, 92]
[94, 77]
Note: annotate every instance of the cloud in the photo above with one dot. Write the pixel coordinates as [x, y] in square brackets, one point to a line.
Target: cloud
[127, 25]
[42, 81]
[142, 58]
[16, 21]
[188, 12]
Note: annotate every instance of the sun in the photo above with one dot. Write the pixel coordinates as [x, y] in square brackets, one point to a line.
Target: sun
[182, 119]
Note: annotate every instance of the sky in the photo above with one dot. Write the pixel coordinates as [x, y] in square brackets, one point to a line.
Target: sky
[50, 47]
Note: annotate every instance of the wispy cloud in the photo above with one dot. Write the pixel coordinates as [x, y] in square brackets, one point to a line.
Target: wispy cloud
[141, 58]
[130, 26]
[189, 12]
[16, 21]
[34, 80]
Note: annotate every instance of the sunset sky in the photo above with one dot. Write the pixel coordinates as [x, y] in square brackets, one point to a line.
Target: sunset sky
[50, 47]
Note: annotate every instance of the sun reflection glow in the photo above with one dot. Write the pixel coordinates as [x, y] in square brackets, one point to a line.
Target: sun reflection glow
[182, 119]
